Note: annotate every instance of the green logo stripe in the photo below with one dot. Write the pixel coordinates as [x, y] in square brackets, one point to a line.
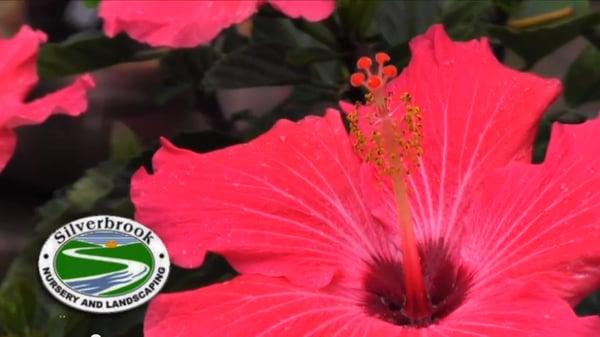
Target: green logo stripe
[68, 267]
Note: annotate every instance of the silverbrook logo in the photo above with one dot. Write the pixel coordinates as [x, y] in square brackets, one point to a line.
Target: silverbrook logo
[104, 264]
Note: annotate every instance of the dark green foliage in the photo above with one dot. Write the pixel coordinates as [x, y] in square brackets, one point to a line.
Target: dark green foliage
[184, 70]
[534, 44]
[91, 3]
[357, 16]
[468, 19]
[256, 65]
[85, 52]
[398, 21]
[582, 82]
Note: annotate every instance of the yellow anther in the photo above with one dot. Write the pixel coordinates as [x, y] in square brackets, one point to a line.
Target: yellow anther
[394, 144]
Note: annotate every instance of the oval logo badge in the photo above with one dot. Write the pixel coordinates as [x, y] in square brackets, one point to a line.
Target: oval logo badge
[104, 264]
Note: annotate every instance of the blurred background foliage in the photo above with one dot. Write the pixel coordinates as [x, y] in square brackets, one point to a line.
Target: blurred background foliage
[293, 68]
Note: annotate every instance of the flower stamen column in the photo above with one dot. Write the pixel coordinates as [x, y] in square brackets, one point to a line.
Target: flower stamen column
[394, 147]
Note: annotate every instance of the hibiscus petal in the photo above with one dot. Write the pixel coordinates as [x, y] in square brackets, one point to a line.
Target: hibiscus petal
[8, 141]
[260, 307]
[543, 221]
[283, 204]
[176, 23]
[18, 74]
[311, 10]
[515, 309]
[477, 115]
[70, 101]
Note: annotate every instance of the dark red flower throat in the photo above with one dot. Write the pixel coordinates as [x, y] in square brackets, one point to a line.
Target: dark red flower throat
[446, 283]
[426, 284]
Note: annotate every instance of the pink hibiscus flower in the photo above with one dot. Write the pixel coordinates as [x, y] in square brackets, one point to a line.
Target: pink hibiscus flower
[18, 75]
[332, 238]
[184, 23]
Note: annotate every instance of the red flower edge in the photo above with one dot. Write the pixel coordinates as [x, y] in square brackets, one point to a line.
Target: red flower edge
[185, 24]
[19, 75]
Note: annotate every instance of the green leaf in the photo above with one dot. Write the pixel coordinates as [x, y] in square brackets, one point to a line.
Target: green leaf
[96, 184]
[203, 141]
[293, 33]
[466, 20]
[318, 31]
[307, 45]
[540, 145]
[18, 308]
[84, 52]
[534, 44]
[303, 101]
[184, 71]
[582, 81]
[400, 55]
[593, 35]
[124, 144]
[304, 56]
[508, 7]
[527, 9]
[276, 30]
[590, 305]
[91, 3]
[399, 21]
[357, 16]
[260, 64]
[188, 65]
